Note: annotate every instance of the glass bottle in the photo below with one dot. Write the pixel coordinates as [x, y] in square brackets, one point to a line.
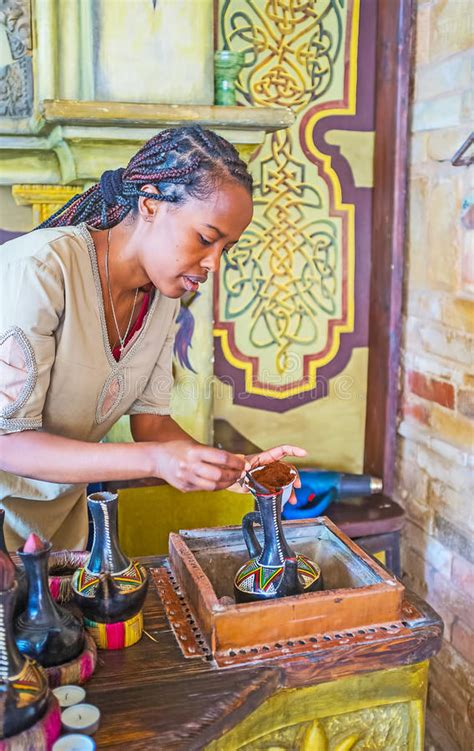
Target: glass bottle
[227, 66]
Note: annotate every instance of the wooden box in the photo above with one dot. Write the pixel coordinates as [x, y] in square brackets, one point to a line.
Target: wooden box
[357, 590]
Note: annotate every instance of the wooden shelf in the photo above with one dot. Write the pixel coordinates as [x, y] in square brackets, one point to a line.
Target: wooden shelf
[70, 112]
[72, 142]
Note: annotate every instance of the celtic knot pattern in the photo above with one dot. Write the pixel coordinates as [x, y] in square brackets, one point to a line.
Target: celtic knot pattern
[282, 273]
[283, 283]
[289, 50]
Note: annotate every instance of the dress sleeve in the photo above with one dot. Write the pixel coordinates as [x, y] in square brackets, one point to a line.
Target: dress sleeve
[156, 397]
[32, 303]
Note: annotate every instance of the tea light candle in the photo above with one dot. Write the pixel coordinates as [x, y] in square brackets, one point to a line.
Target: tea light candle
[74, 742]
[69, 695]
[82, 718]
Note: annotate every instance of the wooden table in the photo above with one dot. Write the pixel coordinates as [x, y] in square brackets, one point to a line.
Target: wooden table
[152, 698]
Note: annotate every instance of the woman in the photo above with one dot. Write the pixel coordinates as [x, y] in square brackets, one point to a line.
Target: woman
[88, 307]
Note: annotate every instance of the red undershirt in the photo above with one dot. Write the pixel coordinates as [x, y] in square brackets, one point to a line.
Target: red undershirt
[136, 326]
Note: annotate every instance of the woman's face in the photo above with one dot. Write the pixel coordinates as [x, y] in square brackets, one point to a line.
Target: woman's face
[182, 244]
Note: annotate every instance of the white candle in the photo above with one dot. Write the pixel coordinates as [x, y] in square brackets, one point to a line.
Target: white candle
[82, 718]
[69, 695]
[74, 742]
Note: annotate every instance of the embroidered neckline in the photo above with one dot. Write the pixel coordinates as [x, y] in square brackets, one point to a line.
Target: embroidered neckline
[139, 335]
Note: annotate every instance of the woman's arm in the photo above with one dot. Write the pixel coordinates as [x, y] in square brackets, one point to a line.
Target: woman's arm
[43, 456]
[148, 427]
[161, 428]
[175, 457]
[186, 463]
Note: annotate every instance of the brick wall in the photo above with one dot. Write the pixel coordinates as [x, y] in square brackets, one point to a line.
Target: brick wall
[435, 444]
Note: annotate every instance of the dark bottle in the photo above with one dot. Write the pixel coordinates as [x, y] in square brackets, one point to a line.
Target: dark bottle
[45, 630]
[274, 570]
[110, 588]
[23, 684]
[20, 575]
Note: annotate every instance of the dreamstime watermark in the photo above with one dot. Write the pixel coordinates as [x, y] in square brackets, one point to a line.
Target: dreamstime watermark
[158, 388]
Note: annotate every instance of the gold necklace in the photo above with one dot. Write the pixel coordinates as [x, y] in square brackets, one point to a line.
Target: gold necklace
[122, 339]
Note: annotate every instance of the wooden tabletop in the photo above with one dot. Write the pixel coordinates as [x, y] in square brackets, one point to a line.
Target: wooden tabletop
[151, 697]
[368, 515]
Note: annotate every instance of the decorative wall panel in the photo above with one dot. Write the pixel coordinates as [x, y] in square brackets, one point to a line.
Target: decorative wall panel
[289, 310]
[16, 73]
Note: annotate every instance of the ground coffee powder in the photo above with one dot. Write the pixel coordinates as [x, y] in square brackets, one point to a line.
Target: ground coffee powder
[274, 476]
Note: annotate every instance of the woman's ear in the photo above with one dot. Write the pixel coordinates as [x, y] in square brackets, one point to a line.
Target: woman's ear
[148, 207]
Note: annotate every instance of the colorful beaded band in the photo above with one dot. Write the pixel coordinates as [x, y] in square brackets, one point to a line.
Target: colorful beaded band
[116, 635]
[76, 671]
[39, 736]
[60, 585]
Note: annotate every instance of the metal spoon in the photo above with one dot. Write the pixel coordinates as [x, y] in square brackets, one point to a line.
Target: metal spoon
[256, 485]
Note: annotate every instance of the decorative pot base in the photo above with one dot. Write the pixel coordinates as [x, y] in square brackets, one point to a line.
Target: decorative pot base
[116, 635]
[76, 671]
[60, 584]
[254, 581]
[110, 590]
[39, 736]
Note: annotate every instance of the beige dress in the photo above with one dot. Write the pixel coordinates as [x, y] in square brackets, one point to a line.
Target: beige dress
[58, 374]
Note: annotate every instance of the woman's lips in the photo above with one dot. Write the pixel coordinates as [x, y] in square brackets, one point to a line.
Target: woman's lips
[192, 283]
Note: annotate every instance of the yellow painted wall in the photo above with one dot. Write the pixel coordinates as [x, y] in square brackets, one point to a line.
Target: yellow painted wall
[13, 218]
[330, 429]
[162, 54]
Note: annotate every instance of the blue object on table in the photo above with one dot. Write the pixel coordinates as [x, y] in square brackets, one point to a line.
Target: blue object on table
[320, 487]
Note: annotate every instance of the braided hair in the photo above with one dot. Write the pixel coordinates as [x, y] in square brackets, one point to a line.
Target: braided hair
[181, 163]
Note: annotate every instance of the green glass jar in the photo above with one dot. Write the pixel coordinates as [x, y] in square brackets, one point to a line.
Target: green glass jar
[227, 66]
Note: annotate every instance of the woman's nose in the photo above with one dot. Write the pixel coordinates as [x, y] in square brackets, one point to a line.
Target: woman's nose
[212, 260]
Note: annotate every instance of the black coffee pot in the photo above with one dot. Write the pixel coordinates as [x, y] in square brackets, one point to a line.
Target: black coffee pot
[274, 570]
[45, 630]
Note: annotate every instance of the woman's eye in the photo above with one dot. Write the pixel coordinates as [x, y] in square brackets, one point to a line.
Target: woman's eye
[204, 241]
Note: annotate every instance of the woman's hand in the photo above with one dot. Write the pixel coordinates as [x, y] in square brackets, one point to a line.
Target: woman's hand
[273, 455]
[191, 466]
[267, 457]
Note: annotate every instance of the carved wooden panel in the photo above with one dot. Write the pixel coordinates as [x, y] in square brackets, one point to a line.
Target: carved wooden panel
[16, 72]
[43, 199]
[385, 728]
[378, 711]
